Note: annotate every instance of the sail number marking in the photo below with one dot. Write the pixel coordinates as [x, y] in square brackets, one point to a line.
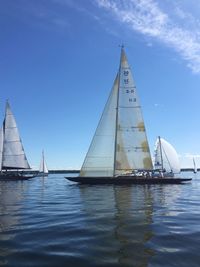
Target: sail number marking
[126, 72]
[126, 81]
[132, 100]
[129, 91]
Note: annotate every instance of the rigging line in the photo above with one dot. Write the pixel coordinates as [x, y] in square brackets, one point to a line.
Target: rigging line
[167, 159]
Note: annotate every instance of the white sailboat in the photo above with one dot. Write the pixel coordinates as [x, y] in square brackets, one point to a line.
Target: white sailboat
[119, 147]
[12, 155]
[166, 158]
[43, 170]
[195, 167]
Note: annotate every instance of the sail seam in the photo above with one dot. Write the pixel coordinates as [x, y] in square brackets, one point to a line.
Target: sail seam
[127, 87]
[15, 141]
[129, 107]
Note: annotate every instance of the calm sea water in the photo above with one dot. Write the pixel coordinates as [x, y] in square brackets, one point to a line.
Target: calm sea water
[53, 222]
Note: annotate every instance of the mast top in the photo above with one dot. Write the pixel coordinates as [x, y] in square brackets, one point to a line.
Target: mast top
[123, 58]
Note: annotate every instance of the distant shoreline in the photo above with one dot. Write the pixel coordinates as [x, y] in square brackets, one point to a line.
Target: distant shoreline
[51, 171]
[188, 169]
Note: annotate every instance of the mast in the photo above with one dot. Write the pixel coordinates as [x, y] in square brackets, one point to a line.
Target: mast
[195, 169]
[161, 156]
[1, 146]
[3, 135]
[43, 167]
[117, 111]
[43, 159]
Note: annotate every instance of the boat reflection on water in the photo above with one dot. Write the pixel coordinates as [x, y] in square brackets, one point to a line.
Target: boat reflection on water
[11, 195]
[10, 199]
[120, 224]
[92, 226]
[133, 220]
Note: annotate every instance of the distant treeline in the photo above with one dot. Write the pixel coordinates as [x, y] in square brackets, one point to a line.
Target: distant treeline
[64, 171]
[188, 169]
[51, 171]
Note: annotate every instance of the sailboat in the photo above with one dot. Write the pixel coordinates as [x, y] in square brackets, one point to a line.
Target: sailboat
[43, 170]
[12, 155]
[195, 167]
[166, 159]
[119, 152]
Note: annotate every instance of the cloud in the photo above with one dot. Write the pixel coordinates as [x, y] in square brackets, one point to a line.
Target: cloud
[178, 29]
[53, 14]
[156, 105]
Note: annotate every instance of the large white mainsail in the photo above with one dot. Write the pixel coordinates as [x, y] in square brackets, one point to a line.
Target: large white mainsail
[120, 143]
[166, 156]
[13, 155]
[43, 166]
[132, 149]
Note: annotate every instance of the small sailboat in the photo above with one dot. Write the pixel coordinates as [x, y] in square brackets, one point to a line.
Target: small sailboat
[195, 167]
[119, 152]
[166, 159]
[43, 170]
[12, 156]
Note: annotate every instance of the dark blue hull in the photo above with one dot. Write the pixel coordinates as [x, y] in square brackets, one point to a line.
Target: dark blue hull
[15, 177]
[124, 180]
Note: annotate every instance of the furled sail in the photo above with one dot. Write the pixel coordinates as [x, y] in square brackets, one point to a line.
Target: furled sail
[120, 144]
[132, 149]
[166, 156]
[43, 166]
[13, 153]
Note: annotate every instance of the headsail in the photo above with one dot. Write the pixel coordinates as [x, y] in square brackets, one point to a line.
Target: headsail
[13, 153]
[120, 144]
[132, 149]
[166, 156]
[99, 160]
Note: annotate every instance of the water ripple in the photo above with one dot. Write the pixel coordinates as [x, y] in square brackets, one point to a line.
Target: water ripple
[52, 222]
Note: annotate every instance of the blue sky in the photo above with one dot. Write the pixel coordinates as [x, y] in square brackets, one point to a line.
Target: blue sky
[59, 59]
